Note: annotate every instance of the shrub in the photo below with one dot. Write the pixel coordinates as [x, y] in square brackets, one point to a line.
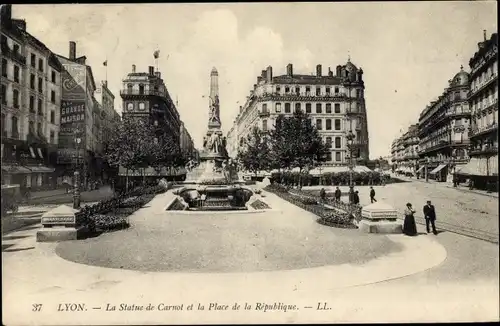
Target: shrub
[276, 187]
[109, 222]
[335, 218]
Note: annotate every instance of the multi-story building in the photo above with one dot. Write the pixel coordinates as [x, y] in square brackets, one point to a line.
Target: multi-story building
[483, 101]
[30, 98]
[232, 141]
[186, 143]
[78, 144]
[404, 152]
[145, 94]
[443, 131]
[334, 102]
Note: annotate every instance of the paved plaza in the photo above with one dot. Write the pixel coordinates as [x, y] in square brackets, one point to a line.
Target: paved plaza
[280, 256]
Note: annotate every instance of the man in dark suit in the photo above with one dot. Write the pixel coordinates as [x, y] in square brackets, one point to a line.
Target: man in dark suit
[338, 194]
[430, 217]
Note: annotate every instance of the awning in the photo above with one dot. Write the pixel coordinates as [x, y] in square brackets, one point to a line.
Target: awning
[15, 169]
[41, 169]
[493, 165]
[439, 168]
[421, 168]
[480, 167]
[39, 150]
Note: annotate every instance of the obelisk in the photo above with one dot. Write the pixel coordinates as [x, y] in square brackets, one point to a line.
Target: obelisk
[214, 108]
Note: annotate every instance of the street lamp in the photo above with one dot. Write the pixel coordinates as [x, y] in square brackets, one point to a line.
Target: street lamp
[76, 174]
[350, 146]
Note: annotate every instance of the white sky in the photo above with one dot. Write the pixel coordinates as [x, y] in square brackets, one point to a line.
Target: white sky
[408, 50]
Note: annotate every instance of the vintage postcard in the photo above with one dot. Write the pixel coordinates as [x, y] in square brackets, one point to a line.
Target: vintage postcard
[219, 163]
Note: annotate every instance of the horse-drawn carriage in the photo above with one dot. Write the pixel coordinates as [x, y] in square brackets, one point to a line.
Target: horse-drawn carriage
[11, 197]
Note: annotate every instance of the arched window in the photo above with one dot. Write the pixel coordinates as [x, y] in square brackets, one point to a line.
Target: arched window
[129, 88]
[141, 89]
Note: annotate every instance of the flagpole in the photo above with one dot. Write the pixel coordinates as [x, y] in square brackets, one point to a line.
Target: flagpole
[106, 70]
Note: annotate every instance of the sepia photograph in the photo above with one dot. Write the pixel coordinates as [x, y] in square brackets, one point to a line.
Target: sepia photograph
[249, 163]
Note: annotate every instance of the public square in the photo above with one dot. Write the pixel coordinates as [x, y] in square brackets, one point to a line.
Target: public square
[284, 253]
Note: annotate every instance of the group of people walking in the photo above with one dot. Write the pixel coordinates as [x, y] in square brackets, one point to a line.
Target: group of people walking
[409, 225]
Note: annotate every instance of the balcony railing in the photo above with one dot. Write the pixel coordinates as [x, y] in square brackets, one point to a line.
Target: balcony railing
[481, 131]
[488, 106]
[265, 113]
[484, 150]
[16, 56]
[302, 96]
[483, 85]
[138, 92]
[443, 144]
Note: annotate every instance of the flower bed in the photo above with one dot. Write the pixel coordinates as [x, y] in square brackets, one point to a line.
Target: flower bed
[259, 204]
[327, 216]
[109, 222]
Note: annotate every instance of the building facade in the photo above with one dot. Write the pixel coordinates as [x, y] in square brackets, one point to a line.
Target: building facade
[404, 152]
[145, 94]
[187, 144]
[483, 100]
[444, 131]
[334, 102]
[30, 97]
[79, 147]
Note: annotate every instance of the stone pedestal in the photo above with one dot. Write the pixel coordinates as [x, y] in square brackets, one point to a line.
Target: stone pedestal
[60, 224]
[380, 217]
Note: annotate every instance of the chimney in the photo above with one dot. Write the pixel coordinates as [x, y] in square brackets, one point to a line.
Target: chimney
[269, 74]
[484, 35]
[133, 69]
[289, 70]
[318, 71]
[158, 74]
[339, 71]
[263, 74]
[20, 23]
[151, 70]
[72, 50]
[330, 72]
[254, 86]
[241, 108]
[259, 79]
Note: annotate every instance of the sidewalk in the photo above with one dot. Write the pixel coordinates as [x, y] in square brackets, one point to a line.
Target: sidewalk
[447, 185]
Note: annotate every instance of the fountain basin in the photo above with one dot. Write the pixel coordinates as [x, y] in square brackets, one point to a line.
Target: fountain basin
[211, 198]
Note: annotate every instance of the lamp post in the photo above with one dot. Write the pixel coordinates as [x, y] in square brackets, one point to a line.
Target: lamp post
[350, 140]
[76, 174]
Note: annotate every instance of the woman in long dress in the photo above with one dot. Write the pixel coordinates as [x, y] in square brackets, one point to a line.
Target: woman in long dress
[409, 226]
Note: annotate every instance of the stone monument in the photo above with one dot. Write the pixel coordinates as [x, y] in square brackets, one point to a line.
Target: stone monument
[379, 217]
[60, 224]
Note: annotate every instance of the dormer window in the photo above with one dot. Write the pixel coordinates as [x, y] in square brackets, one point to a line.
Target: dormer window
[129, 88]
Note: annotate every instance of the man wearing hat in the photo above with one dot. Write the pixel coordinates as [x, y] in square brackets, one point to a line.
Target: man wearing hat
[430, 217]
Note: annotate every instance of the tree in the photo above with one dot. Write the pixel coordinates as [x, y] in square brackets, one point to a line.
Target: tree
[257, 155]
[296, 143]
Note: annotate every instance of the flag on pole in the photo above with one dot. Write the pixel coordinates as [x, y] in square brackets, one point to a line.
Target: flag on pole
[156, 54]
[105, 63]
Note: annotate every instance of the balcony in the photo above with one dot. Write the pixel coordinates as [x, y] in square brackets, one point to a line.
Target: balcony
[301, 96]
[135, 92]
[488, 149]
[483, 131]
[443, 144]
[484, 84]
[264, 114]
[15, 56]
[487, 107]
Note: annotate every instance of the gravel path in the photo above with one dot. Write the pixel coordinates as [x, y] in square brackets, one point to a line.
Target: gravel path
[276, 240]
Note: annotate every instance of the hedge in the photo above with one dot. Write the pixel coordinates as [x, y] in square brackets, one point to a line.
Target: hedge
[330, 178]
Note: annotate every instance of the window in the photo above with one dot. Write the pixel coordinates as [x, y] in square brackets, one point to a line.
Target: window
[328, 108]
[16, 74]
[32, 104]
[4, 94]
[287, 108]
[15, 98]
[328, 124]
[264, 125]
[52, 117]
[40, 111]
[40, 64]
[319, 125]
[337, 107]
[358, 93]
[318, 107]
[327, 90]
[278, 89]
[141, 89]
[264, 108]
[318, 91]
[297, 107]
[40, 84]
[337, 156]
[4, 130]
[337, 124]
[338, 142]
[297, 90]
[4, 67]
[31, 127]
[53, 77]
[142, 106]
[278, 107]
[32, 81]
[129, 88]
[15, 131]
[336, 90]
[53, 96]
[328, 142]
[308, 90]
[52, 137]
[329, 156]
[39, 128]
[308, 107]
[16, 48]
[33, 60]
[287, 90]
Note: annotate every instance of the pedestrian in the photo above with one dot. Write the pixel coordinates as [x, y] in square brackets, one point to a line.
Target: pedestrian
[409, 225]
[430, 217]
[355, 199]
[338, 194]
[322, 195]
[372, 195]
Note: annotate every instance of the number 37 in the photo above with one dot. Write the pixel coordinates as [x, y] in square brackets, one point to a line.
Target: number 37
[37, 307]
